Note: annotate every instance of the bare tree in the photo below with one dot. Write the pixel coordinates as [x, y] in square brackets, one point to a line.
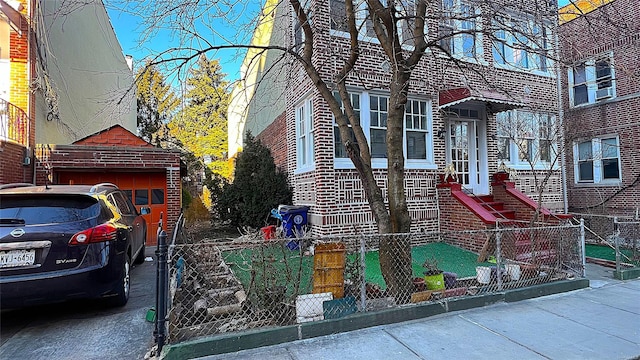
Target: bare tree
[400, 28]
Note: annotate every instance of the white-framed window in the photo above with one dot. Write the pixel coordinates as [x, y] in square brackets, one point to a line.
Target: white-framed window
[304, 136]
[591, 81]
[405, 15]
[460, 29]
[339, 149]
[521, 45]
[298, 33]
[338, 15]
[417, 129]
[378, 112]
[372, 109]
[597, 161]
[526, 138]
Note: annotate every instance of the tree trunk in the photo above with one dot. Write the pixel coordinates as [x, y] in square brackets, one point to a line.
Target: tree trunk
[395, 251]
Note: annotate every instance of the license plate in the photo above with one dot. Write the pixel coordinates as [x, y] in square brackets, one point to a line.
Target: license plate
[15, 258]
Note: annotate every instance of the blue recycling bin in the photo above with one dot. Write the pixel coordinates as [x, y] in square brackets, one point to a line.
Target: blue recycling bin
[293, 219]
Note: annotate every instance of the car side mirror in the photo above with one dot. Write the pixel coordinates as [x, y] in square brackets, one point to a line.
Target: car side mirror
[145, 210]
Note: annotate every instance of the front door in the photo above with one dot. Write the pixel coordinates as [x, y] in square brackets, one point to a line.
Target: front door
[466, 150]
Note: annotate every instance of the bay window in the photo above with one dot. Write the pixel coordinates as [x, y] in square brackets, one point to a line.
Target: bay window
[372, 110]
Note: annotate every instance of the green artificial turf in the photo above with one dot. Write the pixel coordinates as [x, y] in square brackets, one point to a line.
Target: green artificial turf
[273, 265]
[607, 253]
[449, 258]
[288, 268]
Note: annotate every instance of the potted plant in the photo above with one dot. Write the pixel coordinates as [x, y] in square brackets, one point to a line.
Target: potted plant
[433, 275]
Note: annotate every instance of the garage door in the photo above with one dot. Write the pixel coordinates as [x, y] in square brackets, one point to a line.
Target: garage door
[144, 189]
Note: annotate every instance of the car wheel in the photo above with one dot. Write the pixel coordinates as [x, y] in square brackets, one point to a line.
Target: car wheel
[124, 285]
[140, 257]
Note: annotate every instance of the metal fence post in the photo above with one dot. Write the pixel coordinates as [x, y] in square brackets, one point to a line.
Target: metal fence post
[161, 290]
[616, 238]
[498, 256]
[583, 250]
[363, 269]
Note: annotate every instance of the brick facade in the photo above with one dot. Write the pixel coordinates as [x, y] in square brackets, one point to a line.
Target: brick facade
[22, 72]
[612, 30]
[335, 196]
[455, 217]
[272, 138]
[12, 168]
[113, 150]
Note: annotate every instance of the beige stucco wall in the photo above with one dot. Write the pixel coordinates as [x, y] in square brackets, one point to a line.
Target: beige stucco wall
[89, 76]
[262, 72]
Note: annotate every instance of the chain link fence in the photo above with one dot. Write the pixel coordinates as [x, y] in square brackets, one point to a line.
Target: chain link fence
[248, 283]
[612, 240]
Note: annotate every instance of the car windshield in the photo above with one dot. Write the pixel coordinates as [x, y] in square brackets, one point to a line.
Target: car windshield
[35, 209]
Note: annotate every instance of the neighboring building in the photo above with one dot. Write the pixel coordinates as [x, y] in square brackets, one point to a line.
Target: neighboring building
[460, 115]
[601, 98]
[68, 106]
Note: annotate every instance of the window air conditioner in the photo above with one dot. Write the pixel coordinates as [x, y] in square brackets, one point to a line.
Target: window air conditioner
[604, 93]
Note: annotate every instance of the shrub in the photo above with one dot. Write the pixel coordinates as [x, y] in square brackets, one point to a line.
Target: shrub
[196, 211]
[186, 198]
[257, 188]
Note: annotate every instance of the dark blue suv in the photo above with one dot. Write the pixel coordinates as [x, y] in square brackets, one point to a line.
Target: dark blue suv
[61, 242]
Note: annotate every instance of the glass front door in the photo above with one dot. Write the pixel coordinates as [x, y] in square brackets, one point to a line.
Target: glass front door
[465, 141]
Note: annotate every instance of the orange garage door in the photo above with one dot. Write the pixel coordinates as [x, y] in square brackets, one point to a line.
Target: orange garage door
[144, 189]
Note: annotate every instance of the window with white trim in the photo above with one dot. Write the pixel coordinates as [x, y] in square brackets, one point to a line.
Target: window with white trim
[526, 138]
[378, 112]
[417, 129]
[304, 136]
[521, 44]
[338, 15]
[405, 15]
[591, 81]
[597, 160]
[372, 109]
[339, 148]
[459, 29]
[298, 32]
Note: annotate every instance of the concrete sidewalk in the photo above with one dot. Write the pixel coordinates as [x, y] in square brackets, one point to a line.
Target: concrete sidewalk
[600, 322]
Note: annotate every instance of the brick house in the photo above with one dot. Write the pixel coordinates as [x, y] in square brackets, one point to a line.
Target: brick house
[67, 114]
[601, 97]
[462, 108]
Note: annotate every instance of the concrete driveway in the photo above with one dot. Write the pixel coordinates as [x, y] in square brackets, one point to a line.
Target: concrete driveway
[84, 329]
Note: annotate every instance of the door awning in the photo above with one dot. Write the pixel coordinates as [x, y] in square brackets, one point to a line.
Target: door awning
[11, 11]
[496, 101]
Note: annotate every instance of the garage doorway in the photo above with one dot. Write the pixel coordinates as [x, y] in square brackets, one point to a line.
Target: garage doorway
[144, 190]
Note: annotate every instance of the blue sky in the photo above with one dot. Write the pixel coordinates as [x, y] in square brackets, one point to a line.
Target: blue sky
[128, 29]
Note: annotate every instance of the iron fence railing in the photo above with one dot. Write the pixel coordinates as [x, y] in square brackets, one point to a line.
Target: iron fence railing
[14, 123]
[229, 286]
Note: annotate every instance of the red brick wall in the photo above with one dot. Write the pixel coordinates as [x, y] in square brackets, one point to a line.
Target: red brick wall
[272, 138]
[116, 136]
[21, 68]
[456, 217]
[613, 28]
[12, 169]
